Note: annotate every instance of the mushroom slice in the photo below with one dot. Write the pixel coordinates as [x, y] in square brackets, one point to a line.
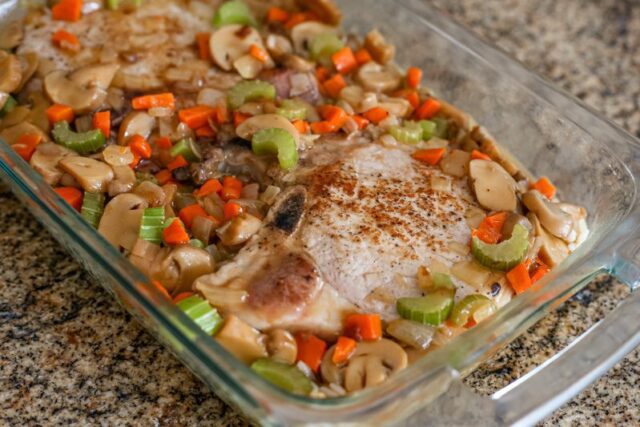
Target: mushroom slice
[11, 34]
[553, 219]
[327, 10]
[124, 180]
[120, 222]
[231, 42]
[152, 193]
[178, 269]
[94, 176]
[46, 158]
[282, 346]
[99, 76]
[552, 250]
[11, 134]
[370, 364]
[81, 99]
[378, 78]
[241, 340]
[278, 45]
[456, 163]
[239, 229]
[303, 34]
[136, 123]
[378, 47]
[10, 72]
[266, 121]
[494, 188]
[29, 64]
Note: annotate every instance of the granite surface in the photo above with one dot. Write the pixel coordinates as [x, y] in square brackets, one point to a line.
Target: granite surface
[69, 355]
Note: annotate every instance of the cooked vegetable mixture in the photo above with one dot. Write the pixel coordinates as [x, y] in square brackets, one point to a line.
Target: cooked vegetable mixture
[314, 208]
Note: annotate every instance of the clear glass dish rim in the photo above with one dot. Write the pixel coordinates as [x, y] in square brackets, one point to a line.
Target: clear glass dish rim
[247, 388]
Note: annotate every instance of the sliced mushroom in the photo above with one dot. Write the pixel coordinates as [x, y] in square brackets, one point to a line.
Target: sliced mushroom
[513, 219]
[120, 222]
[38, 114]
[281, 346]
[123, 182]
[178, 269]
[28, 64]
[10, 72]
[278, 46]
[46, 158]
[239, 229]
[100, 75]
[552, 250]
[135, 123]
[297, 63]
[152, 193]
[456, 163]
[231, 42]
[266, 121]
[378, 78]
[491, 148]
[81, 99]
[94, 176]
[370, 364]
[11, 134]
[398, 107]
[326, 10]
[11, 34]
[552, 218]
[381, 51]
[303, 34]
[17, 116]
[241, 340]
[494, 188]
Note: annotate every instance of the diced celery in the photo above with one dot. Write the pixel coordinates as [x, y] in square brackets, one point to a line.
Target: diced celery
[201, 313]
[233, 12]
[428, 129]
[82, 143]
[287, 377]
[276, 141]
[8, 106]
[324, 45]
[188, 149]
[251, 90]
[152, 225]
[431, 309]
[410, 133]
[474, 307]
[92, 208]
[504, 255]
[292, 109]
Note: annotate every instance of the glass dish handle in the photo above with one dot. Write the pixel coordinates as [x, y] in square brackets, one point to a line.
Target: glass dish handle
[553, 383]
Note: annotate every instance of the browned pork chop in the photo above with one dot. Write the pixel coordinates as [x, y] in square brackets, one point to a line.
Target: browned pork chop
[349, 234]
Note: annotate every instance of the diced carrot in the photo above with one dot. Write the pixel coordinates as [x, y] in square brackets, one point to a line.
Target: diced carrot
[322, 127]
[276, 14]
[518, 277]
[428, 109]
[414, 77]
[136, 160]
[26, 144]
[181, 296]
[163, 142]
[221, 114]
[363, 56]
[204, 52]
[102, 121]
[544, 186]
[334, 115]
[67, 10]
[166, 100]
[430, 156]
[59, 112]
[211, 186]
[334, 85]
[295, 19]
[231, 210]
[164, 177]
[322, 74]
[343, 349]
[205, 131]
[178, 162]
[232, 182]
[360, 121]
[160, 287]
[196, 117]
[140, 146]
[540, 271]
[66, 40]
[344, 60]
[310, 350]
[259, 53]
[413, 98]
[490, 229]
[231, 188]
[71, 195]
[301, 125]
[366, 327]
[188, 213]
[238, 118]
[375, 115]
[478, 155]
[175, 233]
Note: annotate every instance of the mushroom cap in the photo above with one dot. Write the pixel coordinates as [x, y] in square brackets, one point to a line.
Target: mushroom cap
[378, 78]
[10, 72]
[100, 75]
[231, 42]
[120, 222]
[93, 175]
[180, 267]
[135, 123]
[266, 121]
[553, 219]
[11, 134]
[62, 90]
[494, 188]
[45, 161]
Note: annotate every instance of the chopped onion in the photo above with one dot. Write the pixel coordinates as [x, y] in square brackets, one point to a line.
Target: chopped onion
[471, 273]
[440, 183]
[459, 248]
[250, 191]
[369, 101]
[411, 333]
[269, 194]
[213, 204]
[211, 97]
[202, 228]
[301, 84]
[117, 155]
[225, 297]
[160, 112]
[474, 217]
[388, 140]
[84, 123]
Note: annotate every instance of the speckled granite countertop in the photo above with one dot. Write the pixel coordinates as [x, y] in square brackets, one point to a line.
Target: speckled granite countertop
[70, 355]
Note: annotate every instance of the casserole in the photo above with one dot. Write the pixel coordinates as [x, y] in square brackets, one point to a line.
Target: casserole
[601, 221]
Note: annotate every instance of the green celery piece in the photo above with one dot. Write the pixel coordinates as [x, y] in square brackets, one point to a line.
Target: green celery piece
[251, 90]
[469, 306]
[287, 377]
[92, 208]
[324, 45]
[431, 309]
[82, 143]
[410, 133]
[188, 149]
[201, 313]
[196, 243]
[442, 128]
[292, 109]
[152, 225]
[276, 141]
[442, 281]
[428, 129]
[233, 12]
[504, 255]
[8, 106]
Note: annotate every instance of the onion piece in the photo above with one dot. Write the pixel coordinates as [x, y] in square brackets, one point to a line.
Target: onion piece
[412, 333]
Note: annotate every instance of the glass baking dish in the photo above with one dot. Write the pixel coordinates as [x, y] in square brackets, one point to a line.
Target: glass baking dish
[592, 162]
